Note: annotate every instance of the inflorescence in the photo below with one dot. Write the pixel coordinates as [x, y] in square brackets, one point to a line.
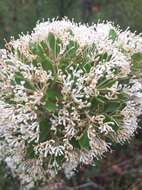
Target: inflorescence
[67, 93]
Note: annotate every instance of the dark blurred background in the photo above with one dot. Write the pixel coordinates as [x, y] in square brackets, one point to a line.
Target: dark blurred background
[122, 169]
[18, 16]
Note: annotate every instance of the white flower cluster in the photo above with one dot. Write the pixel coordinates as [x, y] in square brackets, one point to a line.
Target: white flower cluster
[67, 93]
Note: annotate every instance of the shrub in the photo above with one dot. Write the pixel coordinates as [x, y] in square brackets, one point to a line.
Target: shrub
[68, 92]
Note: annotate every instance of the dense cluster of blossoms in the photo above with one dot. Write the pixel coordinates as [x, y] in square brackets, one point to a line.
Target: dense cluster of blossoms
[67, 92]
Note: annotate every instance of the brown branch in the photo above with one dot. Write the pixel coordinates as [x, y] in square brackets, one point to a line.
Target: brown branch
[88, 184]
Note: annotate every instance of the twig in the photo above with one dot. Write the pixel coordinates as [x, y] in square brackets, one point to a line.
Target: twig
[90, 183]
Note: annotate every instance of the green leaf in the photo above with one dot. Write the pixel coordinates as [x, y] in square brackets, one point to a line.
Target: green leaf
[18, 77]
[124, 80]
[42, 52]
[137, 63]
[9, 98]
[103, 57]
[113, 106]
[84, 140]
[36, 48]
[44, 129]
[70, 56]
[107, 83]
[51, 106]
[75, 143]
[51, 40]
[113, 35]
[22, 57]
[137, 57]
[99, 100]
[52, 94]
[87, 67]
[97, 103]
[53, 44]
[28, 84]
[47, 63]
[30, 154]
[116, 125]
[71, 49]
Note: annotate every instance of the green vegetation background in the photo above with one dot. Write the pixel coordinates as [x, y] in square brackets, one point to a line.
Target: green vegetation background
[18, 16]
[122, 170]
